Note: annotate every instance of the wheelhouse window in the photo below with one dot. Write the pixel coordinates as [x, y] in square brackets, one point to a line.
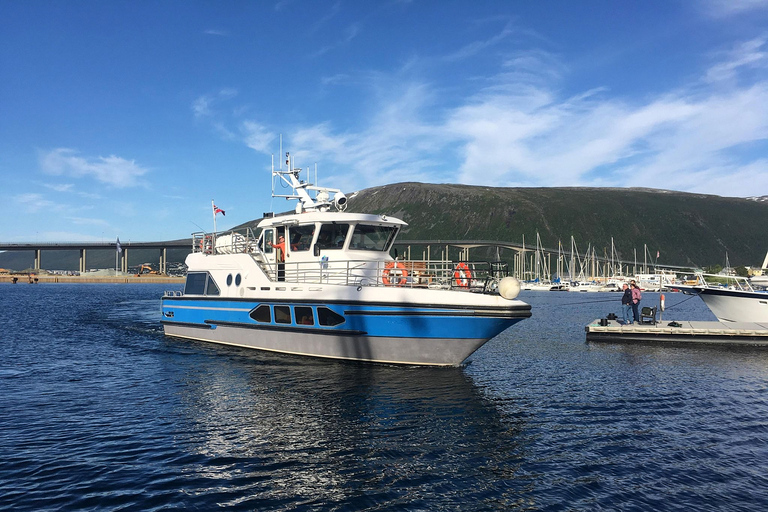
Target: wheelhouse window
[283, 314]
[328, 317]
[200, 283]
[301, 237]
[332, 236]
[367, 237]
[262, 314]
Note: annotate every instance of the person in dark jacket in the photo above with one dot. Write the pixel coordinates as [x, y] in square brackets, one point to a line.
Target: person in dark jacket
[626, 304]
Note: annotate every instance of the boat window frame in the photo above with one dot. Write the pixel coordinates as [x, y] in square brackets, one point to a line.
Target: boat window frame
[299, 312]
[393, 230]
[268, 237]
[282, 307]
[301, 243]
[325, 313]
[261, 308]
[208, 285]
[211, 281]
[333, 244]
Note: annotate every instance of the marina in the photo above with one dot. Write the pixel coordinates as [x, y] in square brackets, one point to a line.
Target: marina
[681, 331]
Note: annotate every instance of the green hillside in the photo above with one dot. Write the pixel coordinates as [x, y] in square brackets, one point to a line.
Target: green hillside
[687, 229]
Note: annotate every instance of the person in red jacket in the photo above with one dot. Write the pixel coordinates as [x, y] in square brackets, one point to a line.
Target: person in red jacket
[281, 246]
[636, 297]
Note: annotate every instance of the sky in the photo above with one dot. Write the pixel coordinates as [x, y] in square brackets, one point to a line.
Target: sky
[126, 119]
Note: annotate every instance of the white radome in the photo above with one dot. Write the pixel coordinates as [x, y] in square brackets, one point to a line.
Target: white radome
[509, 287]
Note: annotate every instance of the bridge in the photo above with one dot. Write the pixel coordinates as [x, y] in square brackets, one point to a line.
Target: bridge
[84, 247]
[528, 262]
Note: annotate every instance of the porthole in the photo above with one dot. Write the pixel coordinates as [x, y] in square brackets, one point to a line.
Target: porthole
[229, 280]
[238, 280]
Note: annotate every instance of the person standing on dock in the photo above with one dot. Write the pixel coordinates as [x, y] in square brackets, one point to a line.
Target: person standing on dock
[626, 304]
[636, 297]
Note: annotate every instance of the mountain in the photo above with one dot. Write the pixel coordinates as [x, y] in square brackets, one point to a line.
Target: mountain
[685, 228]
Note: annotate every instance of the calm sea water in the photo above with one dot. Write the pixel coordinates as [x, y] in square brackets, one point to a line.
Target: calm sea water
[101, 412]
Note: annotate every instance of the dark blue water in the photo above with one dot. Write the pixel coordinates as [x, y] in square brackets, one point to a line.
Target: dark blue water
[99, 411]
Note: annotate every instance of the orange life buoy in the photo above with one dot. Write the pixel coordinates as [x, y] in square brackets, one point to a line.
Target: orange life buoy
[462, 275]
[396, 268]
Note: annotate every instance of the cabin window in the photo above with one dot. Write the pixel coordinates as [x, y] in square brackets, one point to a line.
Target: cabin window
[238, 280]
[262, 314]
[304, 315]
[283, 314]
[301, 237]
[332, 236]
[229, 280]
[372, 238]
[328, 317]
[269, 237]
[200, 283]
[195, 284]
[211, 288]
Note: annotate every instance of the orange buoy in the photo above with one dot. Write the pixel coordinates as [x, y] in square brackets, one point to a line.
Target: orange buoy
[462, 275]
[395, 269]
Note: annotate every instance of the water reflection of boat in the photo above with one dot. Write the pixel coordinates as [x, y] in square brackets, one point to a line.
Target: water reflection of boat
[295, 432]
[321, 282]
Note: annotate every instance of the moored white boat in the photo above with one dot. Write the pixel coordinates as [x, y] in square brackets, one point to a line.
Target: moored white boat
[739, 302]
[333, 290]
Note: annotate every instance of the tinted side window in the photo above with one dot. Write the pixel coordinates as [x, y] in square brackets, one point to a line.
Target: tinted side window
[304, 315]
[195, 284]
[262, 314]
[328, 317]
[283, 314]
[212, 289]
[332, 236]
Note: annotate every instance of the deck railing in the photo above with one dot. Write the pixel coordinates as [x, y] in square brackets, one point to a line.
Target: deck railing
[475, 276]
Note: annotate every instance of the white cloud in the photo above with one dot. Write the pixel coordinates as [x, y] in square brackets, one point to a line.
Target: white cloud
[726, 8]
[33, 203]
[518, 129]
[204, 106]
[750, 55]
[257, 137]
[476, 47]
[87, 221]
[59, 187]
[112, 170]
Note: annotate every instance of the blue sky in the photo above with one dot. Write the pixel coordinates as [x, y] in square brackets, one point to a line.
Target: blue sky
[127, 118]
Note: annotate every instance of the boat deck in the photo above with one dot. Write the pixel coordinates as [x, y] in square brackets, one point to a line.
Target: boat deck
[680, 331]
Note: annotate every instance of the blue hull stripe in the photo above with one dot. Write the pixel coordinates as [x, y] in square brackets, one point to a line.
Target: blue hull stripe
[392, 322]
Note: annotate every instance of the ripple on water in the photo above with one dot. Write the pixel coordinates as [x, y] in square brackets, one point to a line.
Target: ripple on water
[101, 412]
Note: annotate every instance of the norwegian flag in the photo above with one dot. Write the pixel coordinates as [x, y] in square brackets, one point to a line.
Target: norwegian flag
[216, 210]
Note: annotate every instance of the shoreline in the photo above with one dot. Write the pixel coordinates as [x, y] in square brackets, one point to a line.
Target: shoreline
[37, 279]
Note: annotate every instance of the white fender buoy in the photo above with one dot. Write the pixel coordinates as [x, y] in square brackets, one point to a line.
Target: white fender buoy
[509, 287]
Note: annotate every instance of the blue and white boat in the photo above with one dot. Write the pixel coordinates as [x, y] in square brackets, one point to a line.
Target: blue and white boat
[333, 290]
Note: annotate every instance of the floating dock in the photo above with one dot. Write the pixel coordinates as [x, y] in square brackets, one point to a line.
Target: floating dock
[680, 331]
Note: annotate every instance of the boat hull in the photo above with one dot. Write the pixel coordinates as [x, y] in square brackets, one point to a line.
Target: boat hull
[440, 335]
[732, 305]
[358, 347]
